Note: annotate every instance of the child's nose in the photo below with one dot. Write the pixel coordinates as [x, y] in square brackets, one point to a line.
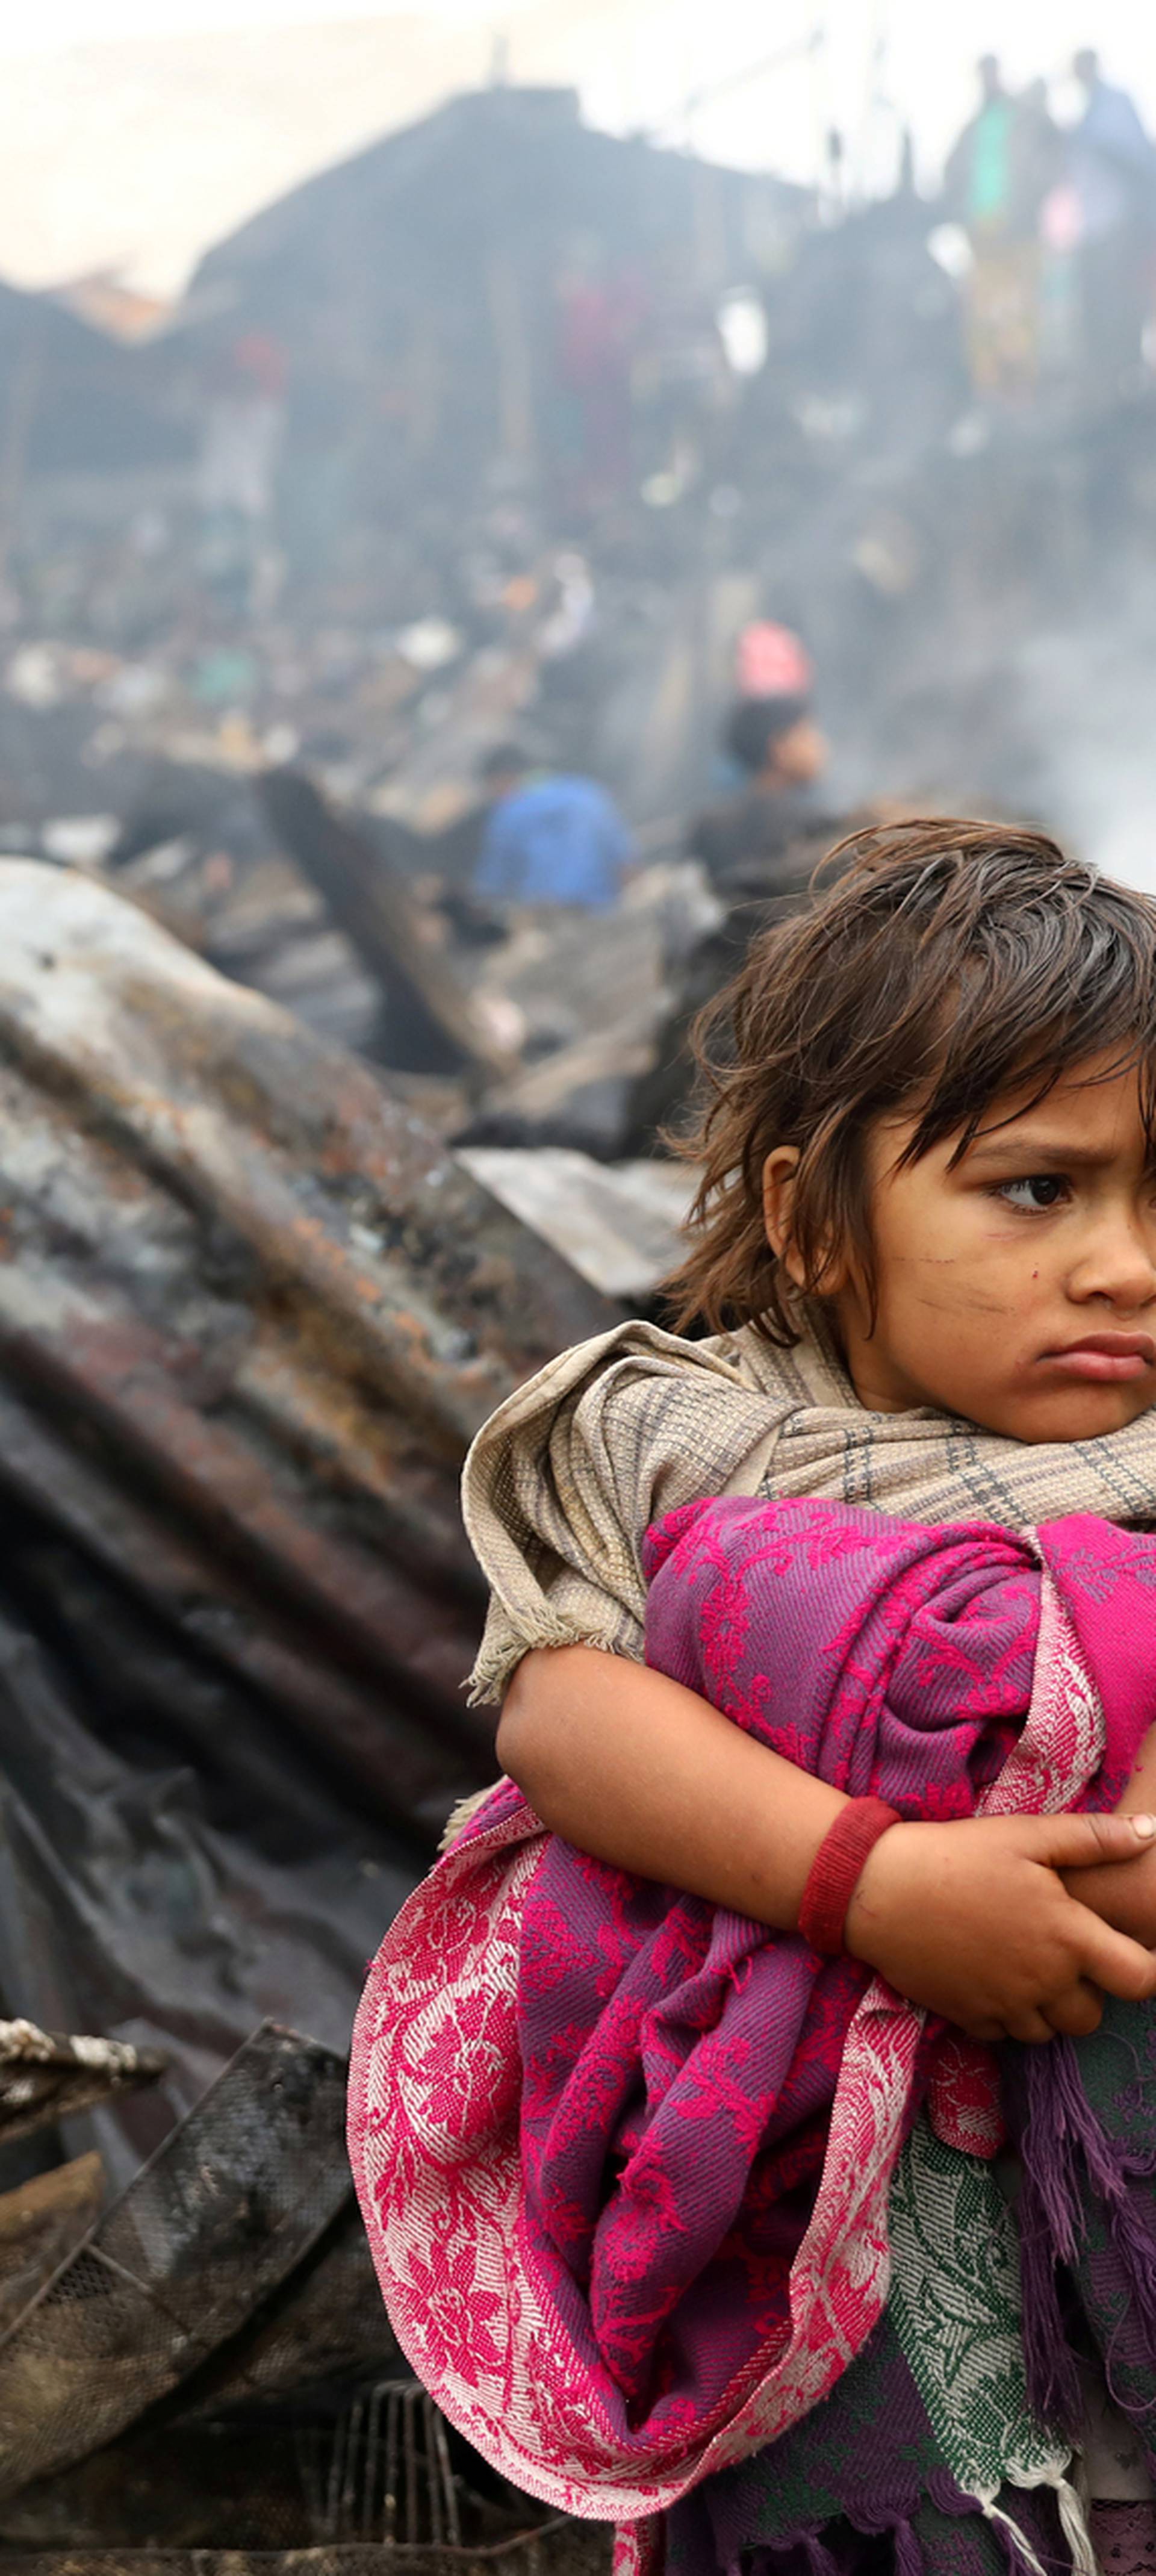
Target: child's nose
[1119, 1263]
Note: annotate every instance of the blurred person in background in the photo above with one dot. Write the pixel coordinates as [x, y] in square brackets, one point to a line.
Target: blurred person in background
[599, 317]
[242, 431]
[549, 839]
[1111, 174]
[749, 844]
[997, 179]
[759, 848]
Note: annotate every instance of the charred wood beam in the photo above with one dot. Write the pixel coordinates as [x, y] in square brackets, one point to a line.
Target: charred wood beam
[432, 1025]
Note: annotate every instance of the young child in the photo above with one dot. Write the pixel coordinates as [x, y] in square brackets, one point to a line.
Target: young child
[926, 1242]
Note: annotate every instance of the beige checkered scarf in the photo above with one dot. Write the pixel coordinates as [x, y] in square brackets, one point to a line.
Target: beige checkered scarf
[564, 1479]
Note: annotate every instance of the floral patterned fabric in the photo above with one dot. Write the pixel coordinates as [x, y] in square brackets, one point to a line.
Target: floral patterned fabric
[624, 2158]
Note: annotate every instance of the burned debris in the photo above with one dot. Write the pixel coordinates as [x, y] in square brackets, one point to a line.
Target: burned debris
[253, 1311]
[44, 2076]
[310, 1152]
[209, 2365]
[431, 1016]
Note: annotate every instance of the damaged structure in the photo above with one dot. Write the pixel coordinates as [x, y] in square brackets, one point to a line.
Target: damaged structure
[202, 2370]
[694, 399]
[306, 1159]
[251, 1311]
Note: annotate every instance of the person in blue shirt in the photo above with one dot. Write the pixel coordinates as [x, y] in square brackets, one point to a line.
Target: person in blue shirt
[548, 839]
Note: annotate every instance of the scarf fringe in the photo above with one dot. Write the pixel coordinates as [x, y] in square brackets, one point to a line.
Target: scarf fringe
[1062, 2139]
[1075, 2527]
[1022, 2558]
[909, 2554]
[1050, 2365]
[910, 2558]
[1133, 2226]
[821, 2561]
[1064, 2144]
[461, 1816]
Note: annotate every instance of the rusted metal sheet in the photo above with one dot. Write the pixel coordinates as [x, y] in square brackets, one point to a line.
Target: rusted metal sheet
[251, 1312]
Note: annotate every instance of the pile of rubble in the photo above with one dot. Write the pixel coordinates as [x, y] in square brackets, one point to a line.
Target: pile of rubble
[508, 1031]
[260, 538]
[292, 552]
[251, 1313]
[305, 1162]
[202, 2365]
[252, 1309]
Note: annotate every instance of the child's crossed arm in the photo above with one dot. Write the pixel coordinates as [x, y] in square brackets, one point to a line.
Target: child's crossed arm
[1009, 1926]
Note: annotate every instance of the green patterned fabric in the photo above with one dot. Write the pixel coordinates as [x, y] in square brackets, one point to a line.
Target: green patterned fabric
[955, 2308]
[928, 2437]
[865, 2466]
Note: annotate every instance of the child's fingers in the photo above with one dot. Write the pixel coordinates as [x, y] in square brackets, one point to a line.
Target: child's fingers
[1085, 1842]
[1030, 2026]
[1121, 1966]
[1076, 2013]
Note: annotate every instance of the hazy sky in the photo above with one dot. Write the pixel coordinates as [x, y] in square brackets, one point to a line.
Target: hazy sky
[134, 131]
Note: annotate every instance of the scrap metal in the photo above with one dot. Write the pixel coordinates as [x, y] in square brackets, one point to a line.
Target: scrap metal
[44, 2077]
[221, 2216]
[251, 1313]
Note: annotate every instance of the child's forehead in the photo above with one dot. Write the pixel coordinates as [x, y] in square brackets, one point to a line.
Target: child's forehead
[1094, 1108]
[1096, 1098]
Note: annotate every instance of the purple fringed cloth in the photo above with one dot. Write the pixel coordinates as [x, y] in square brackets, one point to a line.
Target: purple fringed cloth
[1083, 2114]
[624, 2157]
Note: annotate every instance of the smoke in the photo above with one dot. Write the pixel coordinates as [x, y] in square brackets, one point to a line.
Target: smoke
[1085, 696]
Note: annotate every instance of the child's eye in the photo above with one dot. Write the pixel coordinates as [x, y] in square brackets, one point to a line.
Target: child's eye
[1037, 1190]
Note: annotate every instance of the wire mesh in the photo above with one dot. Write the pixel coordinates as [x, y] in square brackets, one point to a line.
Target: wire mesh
[382, 2473]
[223, 2213]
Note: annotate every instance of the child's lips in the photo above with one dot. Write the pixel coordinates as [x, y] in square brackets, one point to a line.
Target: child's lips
[1104, 1359]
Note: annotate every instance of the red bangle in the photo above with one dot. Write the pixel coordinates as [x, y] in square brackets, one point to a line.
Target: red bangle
[837, 1868]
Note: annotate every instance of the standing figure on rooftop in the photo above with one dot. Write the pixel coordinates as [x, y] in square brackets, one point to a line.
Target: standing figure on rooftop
[1112, 177]
[996, 181]
[548, 839]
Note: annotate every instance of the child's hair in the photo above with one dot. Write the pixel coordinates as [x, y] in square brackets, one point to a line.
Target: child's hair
[951, 963]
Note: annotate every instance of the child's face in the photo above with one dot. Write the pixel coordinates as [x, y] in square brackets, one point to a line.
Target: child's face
[1019, 1289]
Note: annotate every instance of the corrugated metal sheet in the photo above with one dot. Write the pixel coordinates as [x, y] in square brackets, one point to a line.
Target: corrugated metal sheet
[250, 1315]
[251, 1312]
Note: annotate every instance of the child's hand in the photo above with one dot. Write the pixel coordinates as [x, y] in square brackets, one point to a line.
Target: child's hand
[972, 1921]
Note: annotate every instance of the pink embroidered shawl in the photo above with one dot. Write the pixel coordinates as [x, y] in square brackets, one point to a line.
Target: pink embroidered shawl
[624, 2157]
